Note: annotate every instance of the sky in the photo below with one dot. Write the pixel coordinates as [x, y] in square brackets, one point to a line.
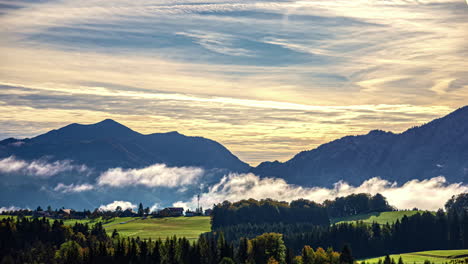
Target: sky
[266, 78]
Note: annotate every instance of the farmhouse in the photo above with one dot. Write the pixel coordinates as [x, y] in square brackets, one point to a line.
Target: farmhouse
[64, 213]
[128, 213]
[37, 214]
[172, 211]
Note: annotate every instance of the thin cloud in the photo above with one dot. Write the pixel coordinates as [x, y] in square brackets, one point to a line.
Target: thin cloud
[39, 168]
[72, 188]
[216, 42]
[428, 194]
[152, 176]
[379, 48]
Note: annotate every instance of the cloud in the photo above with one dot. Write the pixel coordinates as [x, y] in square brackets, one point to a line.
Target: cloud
[72, 188]
[428, 194]
[183, 205]
[155, 207]
[10, 208]
[152, 176]
[39, 168]
[112, 206]
[216, 42]
[174, 53]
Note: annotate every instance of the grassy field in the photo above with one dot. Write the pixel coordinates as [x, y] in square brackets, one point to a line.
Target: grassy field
[189, 227]
[435, 256]
[83, 221]
[380, 218]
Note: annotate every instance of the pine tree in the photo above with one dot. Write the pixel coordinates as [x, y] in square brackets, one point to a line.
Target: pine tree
[346, 256]
[243, 251]
[141, 211]
[400, 260]
[387, 260]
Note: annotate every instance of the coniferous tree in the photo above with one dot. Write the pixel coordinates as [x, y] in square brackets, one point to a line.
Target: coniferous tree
[346, 256]
[141, 211]
[387, 260]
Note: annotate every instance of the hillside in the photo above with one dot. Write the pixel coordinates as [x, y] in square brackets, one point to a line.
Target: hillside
[434, 256]
[437, 148]
[154, 228]
[378, 217]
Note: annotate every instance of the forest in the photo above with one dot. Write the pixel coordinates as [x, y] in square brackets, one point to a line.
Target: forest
[441, 230]
[308, 240]
[266, 211]
[38, 240]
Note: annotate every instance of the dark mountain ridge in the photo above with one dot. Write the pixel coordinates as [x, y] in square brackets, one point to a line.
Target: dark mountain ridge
[109, 144]
[437, 148]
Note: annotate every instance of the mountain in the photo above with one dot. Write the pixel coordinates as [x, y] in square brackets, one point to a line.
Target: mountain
[437, 148]
[108, 144]
[100, 147]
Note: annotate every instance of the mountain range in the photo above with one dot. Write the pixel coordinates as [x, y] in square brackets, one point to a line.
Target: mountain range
[437, 148]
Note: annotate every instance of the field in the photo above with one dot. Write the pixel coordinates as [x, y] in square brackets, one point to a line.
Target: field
[434, 256]
[189, 227]
[380, 218]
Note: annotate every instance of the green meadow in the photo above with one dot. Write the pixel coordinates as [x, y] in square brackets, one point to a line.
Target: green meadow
[154, 228]
[380, 218]
[434, 256]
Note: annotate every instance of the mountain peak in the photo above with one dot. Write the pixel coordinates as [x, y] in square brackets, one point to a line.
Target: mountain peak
[107, 128]
[108, 121]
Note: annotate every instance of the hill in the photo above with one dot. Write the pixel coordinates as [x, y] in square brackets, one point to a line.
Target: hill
[434, 256]
[378, 217]
[437, 148]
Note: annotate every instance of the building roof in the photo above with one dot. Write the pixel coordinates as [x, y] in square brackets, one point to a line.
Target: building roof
[176, 209]
[67, 211]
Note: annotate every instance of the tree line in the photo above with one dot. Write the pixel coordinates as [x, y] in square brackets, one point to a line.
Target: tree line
[299, 211]
[38, 240]
[426, 231]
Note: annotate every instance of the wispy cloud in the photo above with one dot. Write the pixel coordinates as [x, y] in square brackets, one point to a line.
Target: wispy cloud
[256, 130]
[152, 176]
[112, 206]
[266, 64]
[72, 188]
[216, 42]
[428, 194]
[39, 168]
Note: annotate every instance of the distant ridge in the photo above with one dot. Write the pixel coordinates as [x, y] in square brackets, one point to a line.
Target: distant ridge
[109, 144]
[437, 148]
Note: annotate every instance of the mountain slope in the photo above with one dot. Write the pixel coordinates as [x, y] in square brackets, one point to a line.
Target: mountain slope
[437, 148]
[108, 144]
